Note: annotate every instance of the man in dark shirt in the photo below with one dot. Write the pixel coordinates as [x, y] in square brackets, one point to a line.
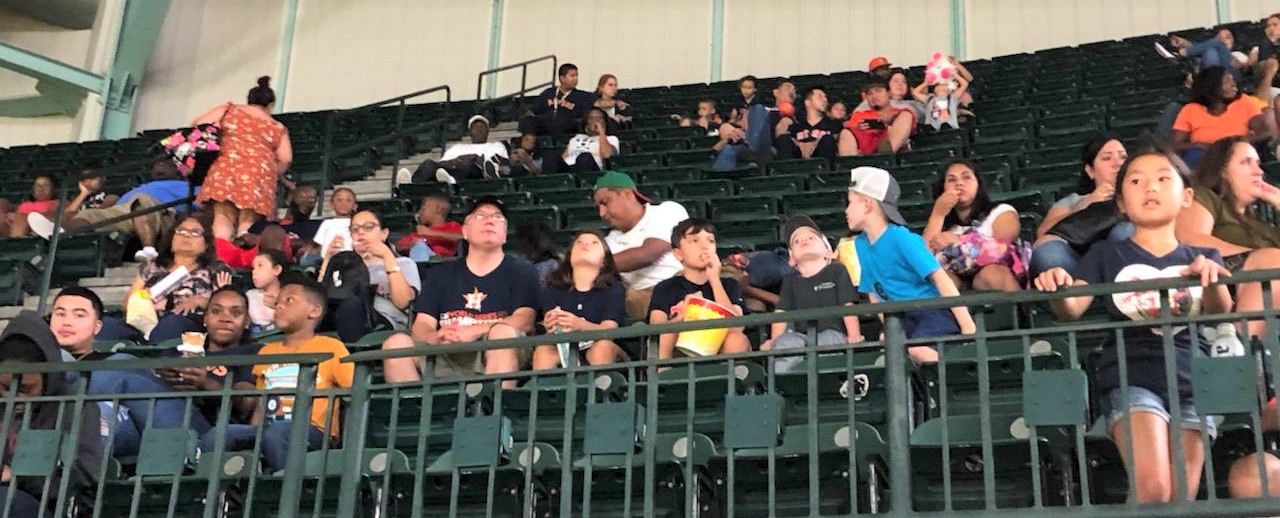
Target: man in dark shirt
[559, 110]
[487, 295]
[812, 134]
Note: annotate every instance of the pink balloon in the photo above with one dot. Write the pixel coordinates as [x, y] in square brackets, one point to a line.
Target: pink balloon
[946, 73]
[937, 56]
[930, 77]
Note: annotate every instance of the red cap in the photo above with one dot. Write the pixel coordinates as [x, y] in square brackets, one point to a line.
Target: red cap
[877, 62]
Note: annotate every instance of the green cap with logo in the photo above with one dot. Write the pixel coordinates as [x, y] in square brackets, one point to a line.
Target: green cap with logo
[619, 180]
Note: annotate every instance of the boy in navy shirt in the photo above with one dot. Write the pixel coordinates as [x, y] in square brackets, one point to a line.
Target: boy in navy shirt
[896, 264]
[694, 243]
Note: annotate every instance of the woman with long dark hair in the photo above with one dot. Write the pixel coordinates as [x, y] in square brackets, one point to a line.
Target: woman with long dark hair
[1227, 184]
[241, 184]
[965, 219]
[583, 293]
[1102, 157]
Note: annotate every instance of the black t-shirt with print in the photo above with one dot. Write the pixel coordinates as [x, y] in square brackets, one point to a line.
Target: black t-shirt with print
[1124, 261]
[802, 131]
[209, 406]
[670, 292]
[455, 296]
[830, 287]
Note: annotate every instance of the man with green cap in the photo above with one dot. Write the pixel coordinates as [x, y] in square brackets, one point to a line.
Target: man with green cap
[640, 238]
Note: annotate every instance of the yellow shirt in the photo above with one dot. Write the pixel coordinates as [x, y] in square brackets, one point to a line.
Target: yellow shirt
[331, 373]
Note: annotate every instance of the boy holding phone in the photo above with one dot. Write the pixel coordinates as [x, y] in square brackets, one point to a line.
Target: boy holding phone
[881, 128]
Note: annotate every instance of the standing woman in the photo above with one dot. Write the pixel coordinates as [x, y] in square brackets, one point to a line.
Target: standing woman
[241, 184]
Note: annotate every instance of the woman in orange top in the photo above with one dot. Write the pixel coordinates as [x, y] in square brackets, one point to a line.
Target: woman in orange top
[255, 152]
[1217, 110]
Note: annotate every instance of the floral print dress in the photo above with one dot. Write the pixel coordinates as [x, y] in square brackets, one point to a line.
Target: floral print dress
[244, 173]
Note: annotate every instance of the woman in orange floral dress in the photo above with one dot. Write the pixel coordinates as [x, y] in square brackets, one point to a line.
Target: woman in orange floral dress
[241, 184]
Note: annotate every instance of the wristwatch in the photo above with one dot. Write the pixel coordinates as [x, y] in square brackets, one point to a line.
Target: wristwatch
[393, 269]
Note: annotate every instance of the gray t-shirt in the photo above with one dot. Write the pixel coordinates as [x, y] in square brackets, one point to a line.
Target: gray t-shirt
[382, 303]
[1070, 201]
[939, 111]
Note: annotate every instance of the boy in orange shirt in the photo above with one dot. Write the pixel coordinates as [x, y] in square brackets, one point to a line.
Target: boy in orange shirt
[299, 308]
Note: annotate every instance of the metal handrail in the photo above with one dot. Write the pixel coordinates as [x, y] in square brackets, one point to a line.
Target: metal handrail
[524, 76]
[331, 122]
[971, 300]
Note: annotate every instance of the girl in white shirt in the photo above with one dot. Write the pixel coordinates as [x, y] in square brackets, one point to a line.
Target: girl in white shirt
[965, 222]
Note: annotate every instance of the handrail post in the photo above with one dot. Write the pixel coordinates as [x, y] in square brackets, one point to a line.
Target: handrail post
[46, 276]
[899, 437]
[354, 438]
[299, 430]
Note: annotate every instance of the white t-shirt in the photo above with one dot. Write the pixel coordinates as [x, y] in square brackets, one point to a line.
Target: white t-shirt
[581, 143]
[331, 228]
[984, 227]
[488, 150]
[657, 223]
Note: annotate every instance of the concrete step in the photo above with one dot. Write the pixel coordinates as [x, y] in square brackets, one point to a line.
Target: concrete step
[108, 281]
[7, 312]
[110, 295]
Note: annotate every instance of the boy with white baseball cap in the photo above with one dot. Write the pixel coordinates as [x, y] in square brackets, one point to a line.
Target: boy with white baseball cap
[896, 264]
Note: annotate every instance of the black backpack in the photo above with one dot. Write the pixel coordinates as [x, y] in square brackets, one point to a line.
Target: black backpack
[346, 277]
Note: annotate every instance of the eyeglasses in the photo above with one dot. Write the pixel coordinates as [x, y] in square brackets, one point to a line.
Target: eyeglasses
[493, 216]
[367, 227]
[189, 232]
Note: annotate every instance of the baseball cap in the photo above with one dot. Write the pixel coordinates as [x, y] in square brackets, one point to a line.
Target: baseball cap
[798, 222]
[877, 62]
[619, 180]
[475, 118]
[490, 200]
[880, 186]
[875, 82]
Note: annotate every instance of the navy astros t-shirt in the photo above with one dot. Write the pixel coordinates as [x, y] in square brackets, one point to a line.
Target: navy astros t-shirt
[455, 296]
[596, 306]
[1124, 261]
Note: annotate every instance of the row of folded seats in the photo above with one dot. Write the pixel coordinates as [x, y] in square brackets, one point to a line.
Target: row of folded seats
[718, 434]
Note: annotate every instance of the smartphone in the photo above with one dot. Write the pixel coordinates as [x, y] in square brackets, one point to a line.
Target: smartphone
[875, 123]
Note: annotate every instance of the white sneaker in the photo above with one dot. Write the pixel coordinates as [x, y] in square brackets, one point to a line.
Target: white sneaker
[1226, 343]
[1164, 52]
[444, 177]
[41, 225]
[146, 255]
[404, 175]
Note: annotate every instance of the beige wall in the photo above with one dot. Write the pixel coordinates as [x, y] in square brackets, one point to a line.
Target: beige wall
[352, 52]
[649, 42]
[1253, 9]
[1000, 27]
[783, 37]
[208, 53]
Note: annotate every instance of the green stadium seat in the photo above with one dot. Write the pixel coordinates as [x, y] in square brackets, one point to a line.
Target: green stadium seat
[702, 189]
[694, 157]
[1061, 155]
[637, 160]
[744, 206]
[546, 214]
[799, 166]
[577, 196]
[771, 185]
[845, 163]
[547, 182]
[416, 191]
[481, 187]
[666, 175]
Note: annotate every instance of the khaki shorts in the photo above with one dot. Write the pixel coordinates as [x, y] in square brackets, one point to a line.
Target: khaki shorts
[140, 201]
[638, 304]
[462, 365]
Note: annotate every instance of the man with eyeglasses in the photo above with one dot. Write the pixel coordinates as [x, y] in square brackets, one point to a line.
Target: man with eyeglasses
[486, 295]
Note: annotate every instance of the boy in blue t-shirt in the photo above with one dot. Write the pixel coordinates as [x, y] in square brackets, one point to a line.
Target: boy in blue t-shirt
[896, 264]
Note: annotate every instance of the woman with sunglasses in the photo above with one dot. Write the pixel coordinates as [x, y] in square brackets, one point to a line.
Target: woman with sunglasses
[181, 309]
[394, 281]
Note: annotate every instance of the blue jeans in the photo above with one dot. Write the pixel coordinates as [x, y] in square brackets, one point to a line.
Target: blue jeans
[794, 340]
[169, 327]
[757, 145]
[275, 441]
[133, 415]
[20, 503]
[1213, 53]
[1143, 400]
[1058, 254]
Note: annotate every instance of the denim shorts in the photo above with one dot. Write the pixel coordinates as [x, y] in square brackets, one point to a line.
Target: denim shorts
[927, 323]
[1143, 400]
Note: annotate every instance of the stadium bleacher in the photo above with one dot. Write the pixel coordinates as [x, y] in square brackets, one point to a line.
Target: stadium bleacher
[1004, 421]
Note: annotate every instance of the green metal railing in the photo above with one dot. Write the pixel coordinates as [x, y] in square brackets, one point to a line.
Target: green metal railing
[400, 133]
[525, 87]
[1002, 425]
